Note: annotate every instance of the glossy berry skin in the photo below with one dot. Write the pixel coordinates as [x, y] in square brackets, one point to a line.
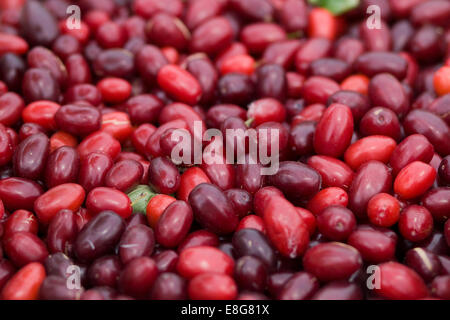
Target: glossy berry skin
[262, 197]
[332, 261]
[104, 271]
[149, 60]
[375, 244]
[415, 147]
[212, 286]
[93, 170]
[6, 148]
[372, 63]
[311, 50]
[380, 121]
[248, 176]
[383, 210]
[46, 59]
[301, 286]
[83, 92]
[198, 12]
[394, 98]
[166, 30]
[169, 286]
[296, 180]
[376, 40]
[257, 36]
[100, 142]
[13, 44]
[114, 64]
[166, 261]
[31, 155]
[276, 282]
[313, 112]
[327, 197]
[339, 290]
[164, 176]
[62, 232]
[24, 285]
[399, 282]
[191, 178]
[414, 179]
[62, 167]
[42, 113]
[357, 102]
[254, 243]
[212, 36]
[369, 148]
[334, 131]
[144, 108]
[265, 110]
[441, 287]
[140, 136]
[309, 219]
[440, 81]
[65, 196]
[331, 68]
[114, 90]
[199, 238]
[55, 288]
[180, 84]
[356, 83]
[99, 236]
[252, 222]
[21, 220]
[322, 24]
[124, 175]
[241, 201]
[203, 259]
[431, 126]
[219, 113]
[39, 84]
[371, 178]
[136, 241]
[25, 247]
[152, 147]
[110, 35]
[241, 63]
[19, 193]
[174, 224]
[137, 278]
[236, 88]
[301, 138]
[271, 81]
[336, 222]
[175, 111]
[425, 263]
[334, 172]
[156, 207]
[117, 124]
[436, 201]
[294, 84]
[212, 209]
[101, 198]
[250, 273]
[416, 223]
[285, 228]
[319, 89]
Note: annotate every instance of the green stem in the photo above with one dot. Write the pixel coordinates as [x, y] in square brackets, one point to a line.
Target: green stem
[139, 197]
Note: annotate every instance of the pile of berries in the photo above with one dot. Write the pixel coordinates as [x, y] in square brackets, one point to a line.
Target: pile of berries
[93, 205]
